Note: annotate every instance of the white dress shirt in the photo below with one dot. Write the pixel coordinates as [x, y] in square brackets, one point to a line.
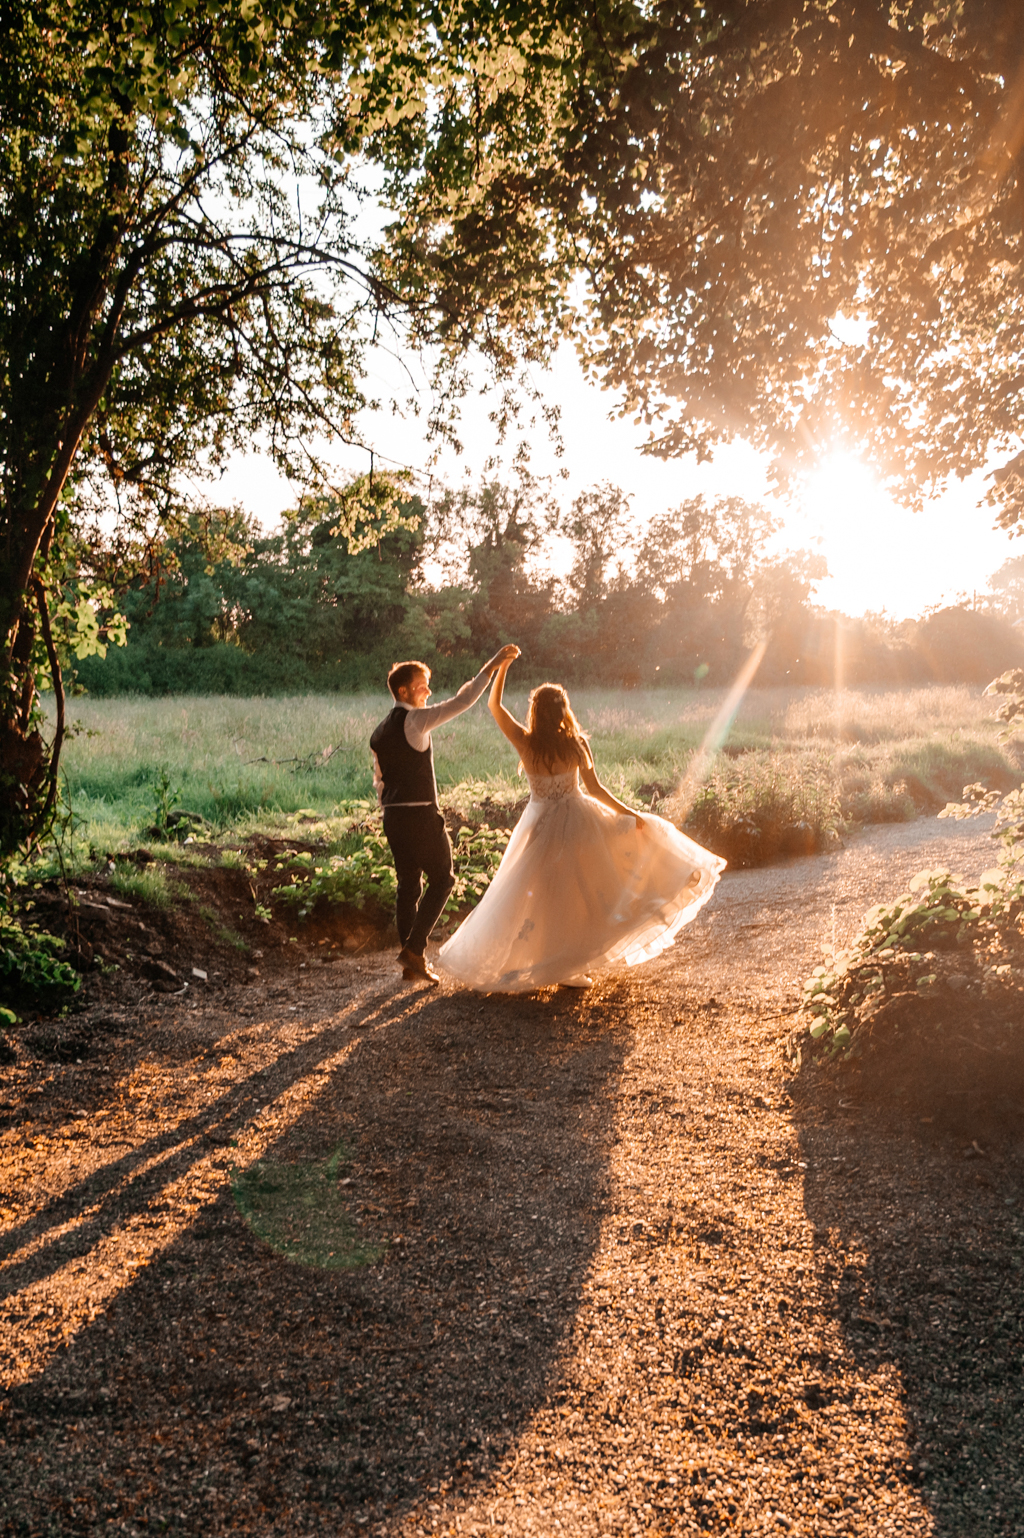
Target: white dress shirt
[421, 720]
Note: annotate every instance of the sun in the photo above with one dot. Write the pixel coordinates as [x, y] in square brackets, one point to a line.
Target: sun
[878, 553]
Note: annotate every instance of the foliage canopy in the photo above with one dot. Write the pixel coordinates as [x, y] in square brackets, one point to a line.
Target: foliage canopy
[795, 218]
[829, 252]
[803, 224]
[181, 268]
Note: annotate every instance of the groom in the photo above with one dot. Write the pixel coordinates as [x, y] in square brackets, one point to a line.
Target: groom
[403, 777]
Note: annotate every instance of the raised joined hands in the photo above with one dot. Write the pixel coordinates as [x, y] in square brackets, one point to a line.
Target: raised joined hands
[506, 655]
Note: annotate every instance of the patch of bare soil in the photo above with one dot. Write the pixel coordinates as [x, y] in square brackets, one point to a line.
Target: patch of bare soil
[625, 1270]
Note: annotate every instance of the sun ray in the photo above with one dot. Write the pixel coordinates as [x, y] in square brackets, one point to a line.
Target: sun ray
[716, 733]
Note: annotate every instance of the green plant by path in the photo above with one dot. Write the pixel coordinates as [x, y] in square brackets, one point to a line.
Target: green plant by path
[359, 871]
[301, 1210]
[893, 952]
[32, 969]
[362, 870]
[477, 853]
[902, 946]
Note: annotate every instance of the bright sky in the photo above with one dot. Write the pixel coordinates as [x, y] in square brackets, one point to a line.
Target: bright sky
[880, 556]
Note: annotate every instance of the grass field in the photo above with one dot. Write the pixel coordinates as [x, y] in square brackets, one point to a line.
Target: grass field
[793, 756]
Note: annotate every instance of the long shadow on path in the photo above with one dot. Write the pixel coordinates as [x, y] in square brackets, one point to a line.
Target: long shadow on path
[230, 1389]
[915, 1170]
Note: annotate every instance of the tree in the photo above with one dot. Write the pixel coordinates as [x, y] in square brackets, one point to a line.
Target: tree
[964, 645]
[490, 539]
[601, 530]
[333, 593]
[180, 273]
[163, 297]
[707, 564]
[829, 249]
[710, 548]
[1007, 586]
[779, 614]
[302, 594]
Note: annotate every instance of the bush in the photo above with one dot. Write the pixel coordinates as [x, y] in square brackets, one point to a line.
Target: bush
[766, 805]
[361, 871]
[938, 931]
[32, 970]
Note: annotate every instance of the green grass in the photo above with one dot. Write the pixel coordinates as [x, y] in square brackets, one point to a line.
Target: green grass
[151, 885]
[221, 932]
[805, 754]
[301, 1211]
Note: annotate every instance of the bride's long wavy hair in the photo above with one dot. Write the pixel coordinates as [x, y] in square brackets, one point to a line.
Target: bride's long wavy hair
[553, 731]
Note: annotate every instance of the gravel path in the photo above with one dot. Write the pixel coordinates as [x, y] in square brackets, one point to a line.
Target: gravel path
[640, 1276]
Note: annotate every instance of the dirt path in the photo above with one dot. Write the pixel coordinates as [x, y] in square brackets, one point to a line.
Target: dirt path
[639, 1278]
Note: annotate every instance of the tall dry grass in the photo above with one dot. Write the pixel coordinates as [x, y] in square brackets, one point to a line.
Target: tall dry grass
[793, 755]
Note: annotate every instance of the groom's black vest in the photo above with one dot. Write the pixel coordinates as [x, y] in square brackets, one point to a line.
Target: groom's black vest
[407, 773]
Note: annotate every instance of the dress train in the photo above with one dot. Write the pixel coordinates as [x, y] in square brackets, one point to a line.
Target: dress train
[580, 889]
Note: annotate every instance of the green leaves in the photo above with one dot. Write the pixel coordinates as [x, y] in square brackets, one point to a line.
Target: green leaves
[87, 621]
[795, 172]
[897, 947]
[32, 968]
[1009, 687]
[477, 855]
[363, 871]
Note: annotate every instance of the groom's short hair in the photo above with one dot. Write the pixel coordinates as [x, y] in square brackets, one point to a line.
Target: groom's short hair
[403, 673]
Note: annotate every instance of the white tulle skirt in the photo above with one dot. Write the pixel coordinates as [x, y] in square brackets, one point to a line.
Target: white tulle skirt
[580, 889]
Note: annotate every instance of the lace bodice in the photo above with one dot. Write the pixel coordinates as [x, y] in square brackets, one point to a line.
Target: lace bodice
[554, 787]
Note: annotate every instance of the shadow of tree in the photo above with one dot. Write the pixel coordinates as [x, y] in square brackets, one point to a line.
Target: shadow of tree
[230, 1388]
[915, 1175]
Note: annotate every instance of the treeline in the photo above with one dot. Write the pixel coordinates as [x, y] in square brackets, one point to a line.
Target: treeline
[226, 608]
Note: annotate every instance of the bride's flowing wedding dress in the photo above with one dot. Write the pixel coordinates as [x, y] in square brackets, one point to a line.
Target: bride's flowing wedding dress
[580, 889]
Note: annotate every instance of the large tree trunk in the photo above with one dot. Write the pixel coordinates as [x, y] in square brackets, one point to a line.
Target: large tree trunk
[24, 780]
[28, 767]
[62, 393]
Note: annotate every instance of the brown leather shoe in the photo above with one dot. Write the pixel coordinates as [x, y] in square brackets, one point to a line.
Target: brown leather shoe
[415, 966]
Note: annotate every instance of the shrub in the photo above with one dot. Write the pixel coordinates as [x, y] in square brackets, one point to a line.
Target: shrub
[32, 969]
[904, 947]
[361, 870]
[477, 855]
[766, 805]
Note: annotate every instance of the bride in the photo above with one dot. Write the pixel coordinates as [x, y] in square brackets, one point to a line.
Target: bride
[585, 883]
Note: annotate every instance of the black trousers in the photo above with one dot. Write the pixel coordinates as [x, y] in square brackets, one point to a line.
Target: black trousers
[421, 847]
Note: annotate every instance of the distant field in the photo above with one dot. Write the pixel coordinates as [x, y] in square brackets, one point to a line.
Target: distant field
[814, 755]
